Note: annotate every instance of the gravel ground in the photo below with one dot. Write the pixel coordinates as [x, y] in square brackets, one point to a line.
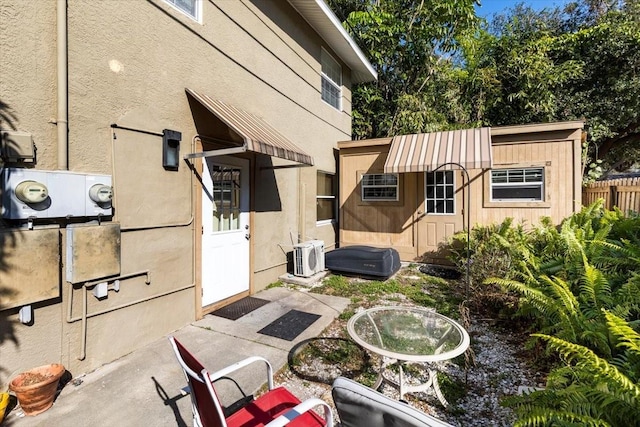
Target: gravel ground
[498, 369]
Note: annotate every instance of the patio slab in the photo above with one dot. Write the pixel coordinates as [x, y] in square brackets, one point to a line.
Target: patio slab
[143, 388]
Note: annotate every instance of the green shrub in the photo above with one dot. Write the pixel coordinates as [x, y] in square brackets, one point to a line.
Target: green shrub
[498, 250]
[588, 389]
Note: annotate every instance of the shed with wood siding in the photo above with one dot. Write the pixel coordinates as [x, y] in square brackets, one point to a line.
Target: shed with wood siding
[533, 171]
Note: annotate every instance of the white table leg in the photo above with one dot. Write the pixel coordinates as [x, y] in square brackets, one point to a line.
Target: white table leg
[401, 380]
[436, 386]
[408, 388]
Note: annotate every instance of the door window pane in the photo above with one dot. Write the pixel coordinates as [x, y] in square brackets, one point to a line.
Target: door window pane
[226, 198]
[439, 192]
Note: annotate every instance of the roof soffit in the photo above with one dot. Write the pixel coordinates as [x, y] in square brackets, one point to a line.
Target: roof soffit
[326, 24]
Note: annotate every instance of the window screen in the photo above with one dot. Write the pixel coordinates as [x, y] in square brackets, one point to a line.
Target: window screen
[331, 80]
[526, 184]
[379, 186]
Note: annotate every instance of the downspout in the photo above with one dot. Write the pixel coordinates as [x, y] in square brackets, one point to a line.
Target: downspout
[63, 95]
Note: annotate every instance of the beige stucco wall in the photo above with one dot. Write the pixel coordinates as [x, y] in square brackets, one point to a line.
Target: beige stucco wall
[129, 64]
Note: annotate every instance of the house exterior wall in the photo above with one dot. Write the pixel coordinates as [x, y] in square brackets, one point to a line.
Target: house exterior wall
[129, 64]
[416, 236]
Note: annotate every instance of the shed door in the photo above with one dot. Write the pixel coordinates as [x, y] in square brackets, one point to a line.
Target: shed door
[225, 228]
[441, 212]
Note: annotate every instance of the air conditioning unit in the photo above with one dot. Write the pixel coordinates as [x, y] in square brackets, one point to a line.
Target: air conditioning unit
[308, 258]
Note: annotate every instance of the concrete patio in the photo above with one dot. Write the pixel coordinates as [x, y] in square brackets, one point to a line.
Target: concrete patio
[143, 388]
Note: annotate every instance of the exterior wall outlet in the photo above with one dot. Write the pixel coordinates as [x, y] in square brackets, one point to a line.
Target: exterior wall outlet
[17, 147]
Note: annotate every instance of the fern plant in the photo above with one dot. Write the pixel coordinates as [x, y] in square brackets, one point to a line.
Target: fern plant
[588, 389]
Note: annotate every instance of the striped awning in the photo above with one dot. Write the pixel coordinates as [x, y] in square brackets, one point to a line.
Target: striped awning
[258, 135]
[424, 152]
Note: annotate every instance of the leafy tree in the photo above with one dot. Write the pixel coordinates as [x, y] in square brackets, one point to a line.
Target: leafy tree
[411, 45]
[608, 92]
[440, 68]
[576, 63]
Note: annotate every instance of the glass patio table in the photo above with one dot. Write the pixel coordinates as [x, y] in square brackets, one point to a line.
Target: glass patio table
[408, 335]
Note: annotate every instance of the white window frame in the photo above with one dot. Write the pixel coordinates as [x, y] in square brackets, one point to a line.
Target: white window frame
[198, 9]
[325, 197]
[435, 197]
[518, 184]
[327, 63]
[363, 186]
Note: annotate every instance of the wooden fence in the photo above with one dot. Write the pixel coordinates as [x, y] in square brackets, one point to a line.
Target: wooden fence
[623, 193]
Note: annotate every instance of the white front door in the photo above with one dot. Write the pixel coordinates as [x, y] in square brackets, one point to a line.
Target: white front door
[225, 228]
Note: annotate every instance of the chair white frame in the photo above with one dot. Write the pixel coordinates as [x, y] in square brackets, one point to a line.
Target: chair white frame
[208, 378]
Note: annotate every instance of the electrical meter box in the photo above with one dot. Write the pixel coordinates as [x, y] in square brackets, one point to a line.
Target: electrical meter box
[98, 195]
[30, 193]
[15, 200]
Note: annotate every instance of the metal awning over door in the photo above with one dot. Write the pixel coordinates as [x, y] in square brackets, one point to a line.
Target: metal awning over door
[424, 152]
[258, 135]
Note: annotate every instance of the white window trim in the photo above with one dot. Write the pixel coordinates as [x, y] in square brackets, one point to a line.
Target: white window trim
[334, 219]
[362, 187]
[455, 205]
[541, 184]
[197, 18]
[337, 85]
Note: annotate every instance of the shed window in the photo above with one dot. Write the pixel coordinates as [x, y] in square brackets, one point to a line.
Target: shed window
[525, 184]
[331, 80]
[440, 193]
[326, 198]
[191, 8]
[379, 187]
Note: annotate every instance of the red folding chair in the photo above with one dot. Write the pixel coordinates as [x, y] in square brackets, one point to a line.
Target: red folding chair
[277, 407]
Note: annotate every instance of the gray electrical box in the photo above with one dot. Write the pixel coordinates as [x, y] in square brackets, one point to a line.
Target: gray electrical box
[17, 147]
[93, 252]
[33, 265]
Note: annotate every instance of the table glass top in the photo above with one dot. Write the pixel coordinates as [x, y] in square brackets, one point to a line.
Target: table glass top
[408, 333]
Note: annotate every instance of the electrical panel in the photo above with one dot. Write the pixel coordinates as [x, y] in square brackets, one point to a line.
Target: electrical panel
[30, 193]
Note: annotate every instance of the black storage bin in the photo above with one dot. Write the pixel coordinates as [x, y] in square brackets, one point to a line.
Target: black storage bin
[364, 261]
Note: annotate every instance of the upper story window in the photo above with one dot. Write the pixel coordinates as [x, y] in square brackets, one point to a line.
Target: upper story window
[191, 8]
[379, 187]
[326, 198]
[523, 184]
[331, 80]
[440, 192]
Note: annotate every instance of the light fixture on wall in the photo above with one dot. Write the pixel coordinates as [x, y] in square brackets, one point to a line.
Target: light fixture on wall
[171, 149]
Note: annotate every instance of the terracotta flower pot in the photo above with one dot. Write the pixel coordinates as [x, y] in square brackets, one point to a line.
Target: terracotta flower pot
[36, 388]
